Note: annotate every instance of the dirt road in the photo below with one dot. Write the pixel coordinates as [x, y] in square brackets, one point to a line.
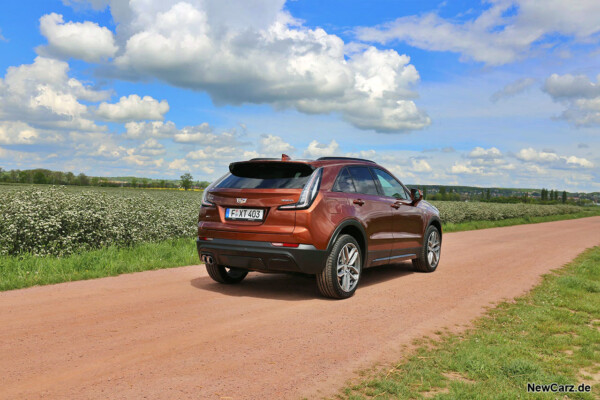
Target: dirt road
[175, 334]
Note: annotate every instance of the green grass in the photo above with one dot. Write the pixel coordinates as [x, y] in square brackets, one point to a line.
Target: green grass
[474, 225]
[550, 335]
[23, 271]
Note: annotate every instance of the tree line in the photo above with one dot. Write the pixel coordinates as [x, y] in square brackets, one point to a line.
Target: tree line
[45, 176]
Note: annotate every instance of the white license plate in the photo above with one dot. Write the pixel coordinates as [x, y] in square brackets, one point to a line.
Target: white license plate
[244, 214]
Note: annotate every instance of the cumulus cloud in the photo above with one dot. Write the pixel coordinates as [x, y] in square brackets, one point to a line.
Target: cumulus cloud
[83, 40]
[505, 32]
[490, 154]
[154, 129]
[261, 54]
[45, 97]
[274, 145]
[551, 158]
[316, 149]
[579, 94]
[133, 108]
[151, 147]
[513, 88]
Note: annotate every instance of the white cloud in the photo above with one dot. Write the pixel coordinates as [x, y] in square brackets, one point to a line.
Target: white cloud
[154, 129]
[179, 164]
[133, 108]
[151, 147]
[43, 96]
[530, 154]
[17, 133]
[489, 154]
[274, 145]
[316, 149]
[553, 159]
[420, 166]
[86, 41]
[513, 88]
[580, 95]
[505, 32]
[261, 54]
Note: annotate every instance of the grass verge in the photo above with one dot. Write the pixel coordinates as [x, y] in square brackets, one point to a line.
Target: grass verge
[26, 270]
[474, 225]
[550, 335]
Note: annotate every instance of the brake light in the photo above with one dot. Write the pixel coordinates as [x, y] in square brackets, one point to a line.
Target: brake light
[309, 193]
[207, 198]
[204, 238]
[278, 244]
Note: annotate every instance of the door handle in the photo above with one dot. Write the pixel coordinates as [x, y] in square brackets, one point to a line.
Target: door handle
[359, 202]
[396, 205]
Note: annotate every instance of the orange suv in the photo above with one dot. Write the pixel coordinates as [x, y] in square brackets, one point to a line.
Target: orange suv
[330, 217]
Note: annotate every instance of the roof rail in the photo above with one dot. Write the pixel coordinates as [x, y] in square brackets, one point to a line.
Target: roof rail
[265, 159]
[344, 158]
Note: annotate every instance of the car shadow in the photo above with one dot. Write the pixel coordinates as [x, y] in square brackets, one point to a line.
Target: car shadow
[294, 287]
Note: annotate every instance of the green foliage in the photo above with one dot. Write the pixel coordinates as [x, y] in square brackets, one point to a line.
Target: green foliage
[58, 221]
[456, 212]
[186, 181]
[549, 335]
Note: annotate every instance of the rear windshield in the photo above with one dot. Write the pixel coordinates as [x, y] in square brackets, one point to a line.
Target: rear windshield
[267, 175]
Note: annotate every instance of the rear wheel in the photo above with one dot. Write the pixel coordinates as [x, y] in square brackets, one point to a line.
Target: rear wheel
[222, 274]
[429, 256]
[342, 271]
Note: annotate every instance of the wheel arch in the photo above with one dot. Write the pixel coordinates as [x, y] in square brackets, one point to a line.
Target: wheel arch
[435, 221]
[355, 229]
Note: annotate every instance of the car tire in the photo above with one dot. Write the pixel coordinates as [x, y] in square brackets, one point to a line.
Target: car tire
[222, 274]
[343, 267]
[429, 257]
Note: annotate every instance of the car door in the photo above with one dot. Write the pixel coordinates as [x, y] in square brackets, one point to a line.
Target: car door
[376, 213]
[407, 219]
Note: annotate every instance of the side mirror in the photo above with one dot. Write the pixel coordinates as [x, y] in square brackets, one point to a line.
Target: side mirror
[416, 196]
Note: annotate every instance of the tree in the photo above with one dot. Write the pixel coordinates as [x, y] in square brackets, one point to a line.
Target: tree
[488, 194]
[134, 182]
[186, 180]
[83, 180]
[564, 196]
[442, 193]
[425, 193]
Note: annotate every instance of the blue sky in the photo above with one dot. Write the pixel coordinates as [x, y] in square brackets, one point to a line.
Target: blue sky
[492, 93]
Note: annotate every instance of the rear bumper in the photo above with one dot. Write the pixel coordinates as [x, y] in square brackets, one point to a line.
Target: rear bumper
[262, 256]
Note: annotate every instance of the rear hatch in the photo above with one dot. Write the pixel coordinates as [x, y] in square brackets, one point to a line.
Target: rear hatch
[248, 200]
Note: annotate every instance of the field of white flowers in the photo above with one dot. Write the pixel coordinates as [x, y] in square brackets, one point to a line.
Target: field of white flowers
[456, 212]
[65, 220]
[45, 220]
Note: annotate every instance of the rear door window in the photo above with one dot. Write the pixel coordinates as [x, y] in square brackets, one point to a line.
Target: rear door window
[344, 182]
[363, 180]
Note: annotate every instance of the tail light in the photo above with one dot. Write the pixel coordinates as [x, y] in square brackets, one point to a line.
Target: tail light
[309, 193]
[207, 197]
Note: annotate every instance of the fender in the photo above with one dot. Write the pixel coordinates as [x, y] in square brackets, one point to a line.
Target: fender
[434, 218]
[345, 223]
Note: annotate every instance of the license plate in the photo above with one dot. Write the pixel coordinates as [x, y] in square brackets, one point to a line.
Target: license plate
[244, 214]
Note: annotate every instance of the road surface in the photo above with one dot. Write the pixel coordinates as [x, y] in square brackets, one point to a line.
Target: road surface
[176, 334]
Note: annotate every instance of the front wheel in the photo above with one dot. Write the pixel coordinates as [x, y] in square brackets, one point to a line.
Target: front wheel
[224, 274]
[429, 256]
[341, 274]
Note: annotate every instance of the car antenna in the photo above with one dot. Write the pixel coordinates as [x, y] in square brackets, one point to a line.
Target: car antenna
[285, 157]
